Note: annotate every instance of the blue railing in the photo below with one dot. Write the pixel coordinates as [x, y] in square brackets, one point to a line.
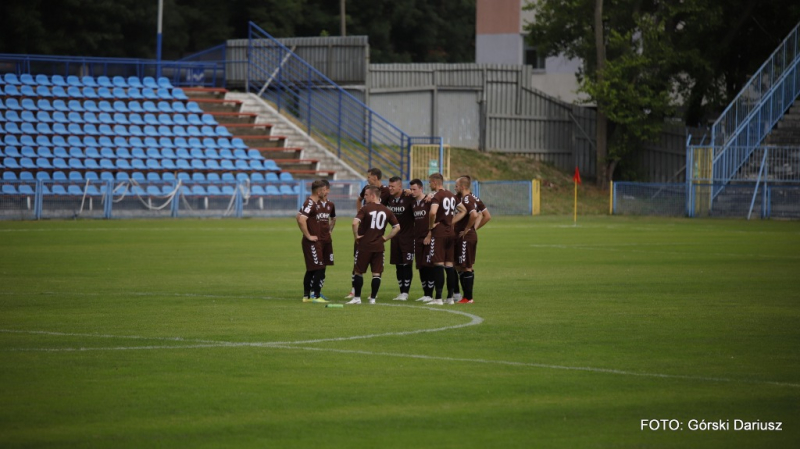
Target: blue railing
[337, 119]
[180, 73]
[756, 109]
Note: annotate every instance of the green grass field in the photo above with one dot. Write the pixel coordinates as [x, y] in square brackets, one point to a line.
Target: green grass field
[192, 334]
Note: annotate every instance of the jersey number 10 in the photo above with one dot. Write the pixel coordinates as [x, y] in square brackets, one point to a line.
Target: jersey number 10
[378, 219]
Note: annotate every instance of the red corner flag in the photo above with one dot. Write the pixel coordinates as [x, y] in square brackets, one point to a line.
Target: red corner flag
[577, 176]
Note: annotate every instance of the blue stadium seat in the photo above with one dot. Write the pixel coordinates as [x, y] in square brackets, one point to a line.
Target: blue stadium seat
[135, 130]
[209, 143]
[149, 81]
[168, 153]
[9, 189]
[237, 142]
[58, 189]
[43, 91]
[92, 153]
[164, 130]
[164, 106]
[197, 176]
[106, 176]
[90, 141]
[76, 152]
[26, 140]
[182, 153]
[241, 165]
[44, 152]
[120, 141]
[196, 153]
[73, 80]
[12, 152]
[178, 94]
[122, 176]
[59, 176]
[198, 164]
[134, 81]
[88, 81]
[214, 190]
[60, 163]
[90, 175]
[149, 94]
[59, 117]
[208, 131]
[59, 141]
[179, 108]
[164, 82]
[59, 92]
[240, 154]
[60, 152]
[11, 78]
[90, 129]
[183, 176]
[105, 106]
[153, 190]
[10, 162]
[28, 105]
[27, 91]
[74, 92]
[135, 106]
[27, 116]
[242, 177]
[13, 128]
[75, 164]
[74, 190]
[181, 142]
[27, 162]
[183, 164]
[212, 164]
[272, 177]
[75, 130]
[137, 176]
[26, 176]
[150, 119]
[135, 142]
[106, 130]
[89, 92]
[180, 119]
[194, 119]
[257, 177]
[91, 164]
[192, 107]
[194, 142]
[211, 153]
[208, 119]
[257, 190]
[105, 118]
[107, 153]
[222, 131]
[198, 190]
[153, 153]
[43, 117]
[12, 91]
[256, 165]
[90, 106]
[123, 153]
[58, 80]
[43, 128]
[13, 104]
[75, 176]
[152, 164]
[123, 164]
[138, 153]
[119, 81]
[164, 94]
[26, 78]
[286, 176]
[226, 164]
[286, 190]
[121, 106]
[168, 164]
[60, 106]
[136, 119]
[135, 94]
[107, 164]
[226, 154]
[9, 176]
[149, 106]
[91, 190]
[76, 106]
[254, 154]
[104, 81]
[121, 119]
[42, 141]
[153, 177]
[193, 131]
[12, 116]
[11, 140]
[28, 152]
[165, 119]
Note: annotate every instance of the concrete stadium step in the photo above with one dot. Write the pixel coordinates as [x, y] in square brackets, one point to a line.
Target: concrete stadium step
[225, 118]
[249, 129]
[297, 164]
[294, 136]
[196, 93]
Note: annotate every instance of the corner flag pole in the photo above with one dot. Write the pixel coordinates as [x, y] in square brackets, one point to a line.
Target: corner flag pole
[576, 179]
[158, 37]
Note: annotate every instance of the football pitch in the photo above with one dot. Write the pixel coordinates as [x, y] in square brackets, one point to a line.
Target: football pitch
[620, 332]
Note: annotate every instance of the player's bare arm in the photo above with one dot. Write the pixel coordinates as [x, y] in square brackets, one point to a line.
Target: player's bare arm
[461, 213]
[473, 215]
[395, 230]
[485, 217]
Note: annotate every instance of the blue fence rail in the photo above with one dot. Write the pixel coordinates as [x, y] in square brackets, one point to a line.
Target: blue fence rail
[341, 122]
[180, 73]
[756, 109]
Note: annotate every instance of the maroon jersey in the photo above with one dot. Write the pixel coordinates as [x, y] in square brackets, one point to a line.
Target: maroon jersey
[309, 210]
[403, 208]
[447, 208]
[385, 195]
[421, 209]
[374, 218]
[481, 206]
[471, 204]
[325, 211]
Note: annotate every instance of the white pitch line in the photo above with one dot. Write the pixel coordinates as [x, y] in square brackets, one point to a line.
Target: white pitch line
[541, 365]
[626, 249]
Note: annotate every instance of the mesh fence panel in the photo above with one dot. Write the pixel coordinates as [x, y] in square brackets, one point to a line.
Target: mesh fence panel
[506, 197]
[784, 201]
[18, 200]
[649, 199]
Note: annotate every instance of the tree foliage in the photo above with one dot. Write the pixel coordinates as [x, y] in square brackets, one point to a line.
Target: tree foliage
[398, 30]
[662, 57]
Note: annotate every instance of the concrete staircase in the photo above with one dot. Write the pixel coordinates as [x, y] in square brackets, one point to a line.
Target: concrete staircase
[301, 147]
[787, 131]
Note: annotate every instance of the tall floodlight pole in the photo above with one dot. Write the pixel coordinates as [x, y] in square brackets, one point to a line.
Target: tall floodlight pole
[158, 37]
[342, 19]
